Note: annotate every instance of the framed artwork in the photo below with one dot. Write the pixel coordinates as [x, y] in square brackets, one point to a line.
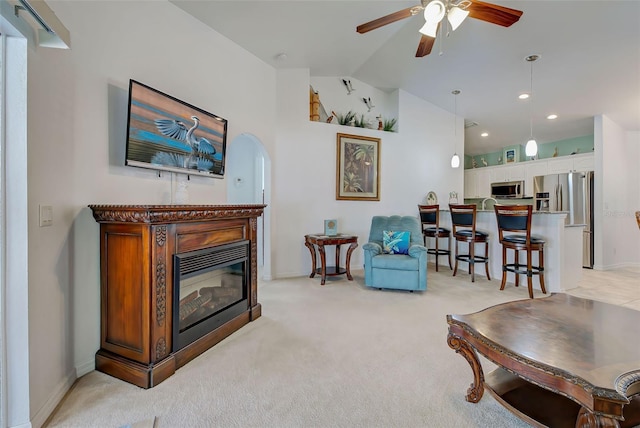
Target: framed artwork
[511, 154]
[357, 168]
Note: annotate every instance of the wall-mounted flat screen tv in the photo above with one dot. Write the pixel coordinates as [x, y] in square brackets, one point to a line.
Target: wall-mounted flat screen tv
[167, 134]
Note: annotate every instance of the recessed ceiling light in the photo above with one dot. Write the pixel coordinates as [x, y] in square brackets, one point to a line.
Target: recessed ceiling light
[523, 96]
[484, 134]
[552, 116]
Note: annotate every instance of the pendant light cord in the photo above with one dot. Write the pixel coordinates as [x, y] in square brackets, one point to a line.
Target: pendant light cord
[455, 93]
[531, 102]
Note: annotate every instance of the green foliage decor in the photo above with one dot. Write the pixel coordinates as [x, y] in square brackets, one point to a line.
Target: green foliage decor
[388, 124]
[345, 119]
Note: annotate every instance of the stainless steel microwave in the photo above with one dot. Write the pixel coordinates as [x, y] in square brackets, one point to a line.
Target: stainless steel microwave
[507, 189]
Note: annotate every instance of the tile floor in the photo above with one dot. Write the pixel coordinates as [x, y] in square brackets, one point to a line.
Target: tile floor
[620, 286]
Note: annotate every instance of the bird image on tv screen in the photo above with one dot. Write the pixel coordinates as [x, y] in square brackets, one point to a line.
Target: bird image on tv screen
[168, 134]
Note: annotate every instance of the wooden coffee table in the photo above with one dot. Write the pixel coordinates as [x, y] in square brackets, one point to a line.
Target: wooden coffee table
[564, 361]
[319, 240]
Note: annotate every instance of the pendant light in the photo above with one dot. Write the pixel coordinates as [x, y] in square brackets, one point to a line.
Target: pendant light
[455, 159]
[531, 149]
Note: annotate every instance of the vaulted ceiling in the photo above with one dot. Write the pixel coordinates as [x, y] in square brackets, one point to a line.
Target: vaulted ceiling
[589, 65]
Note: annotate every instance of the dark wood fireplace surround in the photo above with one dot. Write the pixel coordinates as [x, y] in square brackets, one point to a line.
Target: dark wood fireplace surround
[137, 244]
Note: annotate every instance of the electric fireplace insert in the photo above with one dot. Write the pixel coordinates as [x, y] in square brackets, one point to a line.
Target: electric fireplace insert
[210, 288]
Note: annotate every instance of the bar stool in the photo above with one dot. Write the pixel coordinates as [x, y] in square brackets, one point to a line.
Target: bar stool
[516, 220]
[430, 219]
[463, 219]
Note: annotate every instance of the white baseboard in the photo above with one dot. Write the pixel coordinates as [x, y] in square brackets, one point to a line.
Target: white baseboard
[27, 425]
[617, 266]
[85, 368]
[45, 411]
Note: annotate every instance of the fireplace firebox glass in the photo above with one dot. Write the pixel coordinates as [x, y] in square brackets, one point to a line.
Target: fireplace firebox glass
[210, 288]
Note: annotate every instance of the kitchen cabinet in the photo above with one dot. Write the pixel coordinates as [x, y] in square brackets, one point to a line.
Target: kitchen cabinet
[534, 169]
[584, 163]
[503, 173]
[477, 183]
[559, 166]
[469, 183]
[498, 174]
[572, 163]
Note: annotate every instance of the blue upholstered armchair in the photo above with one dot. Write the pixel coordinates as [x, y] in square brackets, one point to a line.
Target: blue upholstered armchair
[396, 271]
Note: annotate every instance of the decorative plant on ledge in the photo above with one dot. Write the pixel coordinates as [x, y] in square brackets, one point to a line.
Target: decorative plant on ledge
[361, 122]
[345, 119]
[388, 124]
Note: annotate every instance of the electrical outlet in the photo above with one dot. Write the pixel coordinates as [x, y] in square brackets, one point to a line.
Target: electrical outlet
[46, 215]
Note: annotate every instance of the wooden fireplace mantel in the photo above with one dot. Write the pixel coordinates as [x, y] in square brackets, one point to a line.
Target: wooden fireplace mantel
[137, 245]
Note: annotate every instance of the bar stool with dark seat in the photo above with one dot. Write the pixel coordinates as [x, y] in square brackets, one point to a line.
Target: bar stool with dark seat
[463, 219]
[430, 219]
[516, 221]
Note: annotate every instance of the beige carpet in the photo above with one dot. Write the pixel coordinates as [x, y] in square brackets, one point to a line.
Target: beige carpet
[339, 355]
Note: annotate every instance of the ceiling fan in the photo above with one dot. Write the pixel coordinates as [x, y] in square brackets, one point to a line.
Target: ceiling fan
[456, 12]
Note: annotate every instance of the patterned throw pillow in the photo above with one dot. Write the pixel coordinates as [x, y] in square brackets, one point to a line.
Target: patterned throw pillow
[395, 242]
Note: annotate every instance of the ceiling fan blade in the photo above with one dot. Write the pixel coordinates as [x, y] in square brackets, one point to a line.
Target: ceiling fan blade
[425, 46]
[387, 19]
[493, 13]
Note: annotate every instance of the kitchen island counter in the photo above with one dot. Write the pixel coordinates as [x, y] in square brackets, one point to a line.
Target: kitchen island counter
[562, 249]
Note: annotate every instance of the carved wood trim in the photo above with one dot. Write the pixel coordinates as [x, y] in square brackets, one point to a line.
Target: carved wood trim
[461, 346]
[171, 213]
[161, 292]
[161, 348]
[254, 272]
[623, 382]
[586, 419]
[161, 235]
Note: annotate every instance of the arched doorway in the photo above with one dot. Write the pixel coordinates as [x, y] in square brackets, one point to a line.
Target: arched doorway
[248, 176]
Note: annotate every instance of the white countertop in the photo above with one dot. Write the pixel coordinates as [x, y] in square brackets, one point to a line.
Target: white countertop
[535, 212]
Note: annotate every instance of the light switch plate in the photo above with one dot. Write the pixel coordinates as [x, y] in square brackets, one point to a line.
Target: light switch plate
[46, 215]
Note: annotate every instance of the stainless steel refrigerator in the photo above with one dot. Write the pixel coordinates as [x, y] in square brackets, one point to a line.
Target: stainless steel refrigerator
[573, 193]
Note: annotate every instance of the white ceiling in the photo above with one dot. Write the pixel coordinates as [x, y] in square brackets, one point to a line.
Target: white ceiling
[589, 65]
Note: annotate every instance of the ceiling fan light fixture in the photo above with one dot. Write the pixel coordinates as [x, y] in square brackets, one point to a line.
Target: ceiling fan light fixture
[434, 12]
[429, 29]
[456, 16]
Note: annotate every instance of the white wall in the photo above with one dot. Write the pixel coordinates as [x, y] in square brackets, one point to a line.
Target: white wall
[76, 139]
[413, 161]
[616, 195]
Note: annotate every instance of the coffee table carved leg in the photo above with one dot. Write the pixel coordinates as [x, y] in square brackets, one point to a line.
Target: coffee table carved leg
[313, 258]
[475, 391]
[586, 419]
[323, 263]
